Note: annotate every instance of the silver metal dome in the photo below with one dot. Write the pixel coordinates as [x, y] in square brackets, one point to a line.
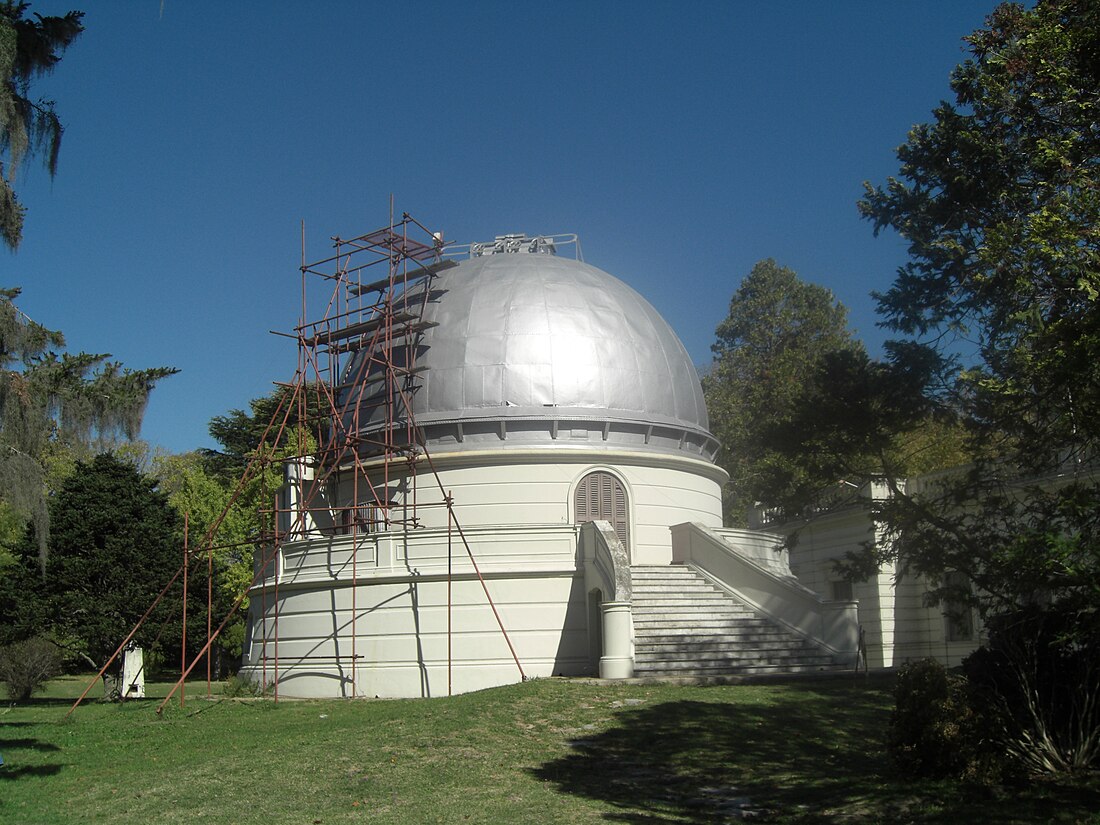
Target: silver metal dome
[532, 348]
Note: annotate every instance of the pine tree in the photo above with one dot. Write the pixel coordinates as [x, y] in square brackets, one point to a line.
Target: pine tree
[53, 402]
[770, 348]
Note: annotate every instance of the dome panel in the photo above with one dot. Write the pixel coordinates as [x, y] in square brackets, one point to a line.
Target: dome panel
[534, 337]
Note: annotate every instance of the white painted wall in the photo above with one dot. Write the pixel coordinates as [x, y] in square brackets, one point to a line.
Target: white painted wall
[386, 614]
[367, 614]
[508, 488]
[899, 626]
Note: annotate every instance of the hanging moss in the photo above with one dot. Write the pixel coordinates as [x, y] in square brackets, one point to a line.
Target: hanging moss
[51, 400]
[29, 47]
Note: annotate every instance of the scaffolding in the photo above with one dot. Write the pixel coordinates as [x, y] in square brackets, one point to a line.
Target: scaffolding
[346, 417]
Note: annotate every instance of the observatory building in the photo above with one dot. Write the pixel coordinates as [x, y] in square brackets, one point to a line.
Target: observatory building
[555, 508]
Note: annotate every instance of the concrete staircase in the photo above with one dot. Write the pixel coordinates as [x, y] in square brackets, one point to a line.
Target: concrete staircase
[686, 626]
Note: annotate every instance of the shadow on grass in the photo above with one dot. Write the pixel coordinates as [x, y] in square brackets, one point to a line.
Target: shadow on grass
[46, 702]
[808, 754]
[29, 744]
[805, 751]
[8, 773]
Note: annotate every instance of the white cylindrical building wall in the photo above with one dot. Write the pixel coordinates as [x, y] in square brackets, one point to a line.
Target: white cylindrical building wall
[537, 487]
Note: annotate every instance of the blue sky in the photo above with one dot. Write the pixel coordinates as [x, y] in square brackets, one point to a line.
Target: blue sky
[683, 142]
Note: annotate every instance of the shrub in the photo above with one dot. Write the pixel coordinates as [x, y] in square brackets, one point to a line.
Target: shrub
[941, 728]
[928, 719]
[26, 666]
[1041, 667]
[237, 686]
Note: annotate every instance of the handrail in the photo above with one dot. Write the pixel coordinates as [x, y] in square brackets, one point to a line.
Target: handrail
[831, 624]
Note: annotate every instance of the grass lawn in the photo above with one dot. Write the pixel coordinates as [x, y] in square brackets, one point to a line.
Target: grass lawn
[548, 751]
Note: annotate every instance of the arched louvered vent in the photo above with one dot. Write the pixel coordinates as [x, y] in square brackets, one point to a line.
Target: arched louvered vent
[601, 496]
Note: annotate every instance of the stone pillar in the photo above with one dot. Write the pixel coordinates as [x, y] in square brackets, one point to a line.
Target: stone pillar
[295, 521]
[617, 661]
[133, 674]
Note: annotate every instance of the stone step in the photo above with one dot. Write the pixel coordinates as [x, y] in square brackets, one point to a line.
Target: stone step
[732, 648]
[709, 602]
[746, 654]
[662, 585]
[713, 662]
[685, 625]
[704, 643]
[721, 622]
[684, 632]
[720, 619]
[701, 596]
[662, 574]
[682, 635]
[672, 592]
[743, 670]
[702, 615]
[761, 646]
[726, 607]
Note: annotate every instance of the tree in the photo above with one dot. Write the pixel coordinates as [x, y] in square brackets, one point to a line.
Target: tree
[29, 48]
[773, 345]
[115, 542]
[999, 200]
[203, 496]
[269, 428]
[54, 403]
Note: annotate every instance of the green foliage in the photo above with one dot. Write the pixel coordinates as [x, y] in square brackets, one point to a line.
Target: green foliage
[237, 686]
[273, 428]
[937, 730]
[773, 344]
[801, 408]
[999, 200]
[203, 497]
[26, 666]
[1042, 666]
[256, 446]
[12, 528]
[115, 543]
[854, 420]
[56, 408]
[51, 402]
[1018, 542]
[29, 48]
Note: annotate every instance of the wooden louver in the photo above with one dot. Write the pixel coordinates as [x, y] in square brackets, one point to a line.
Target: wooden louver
[601, 496]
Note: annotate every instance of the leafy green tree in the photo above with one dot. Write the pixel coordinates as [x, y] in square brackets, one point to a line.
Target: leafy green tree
[207, 500]
[772, 346]
[855, 419]
[224, 493]
[54, 408]
[29, 48]
[270, 428]
[115, 542]
[999, 200]
[54, 405]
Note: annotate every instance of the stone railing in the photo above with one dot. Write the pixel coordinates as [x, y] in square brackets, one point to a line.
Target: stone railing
[831, 624]
[607, 569]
